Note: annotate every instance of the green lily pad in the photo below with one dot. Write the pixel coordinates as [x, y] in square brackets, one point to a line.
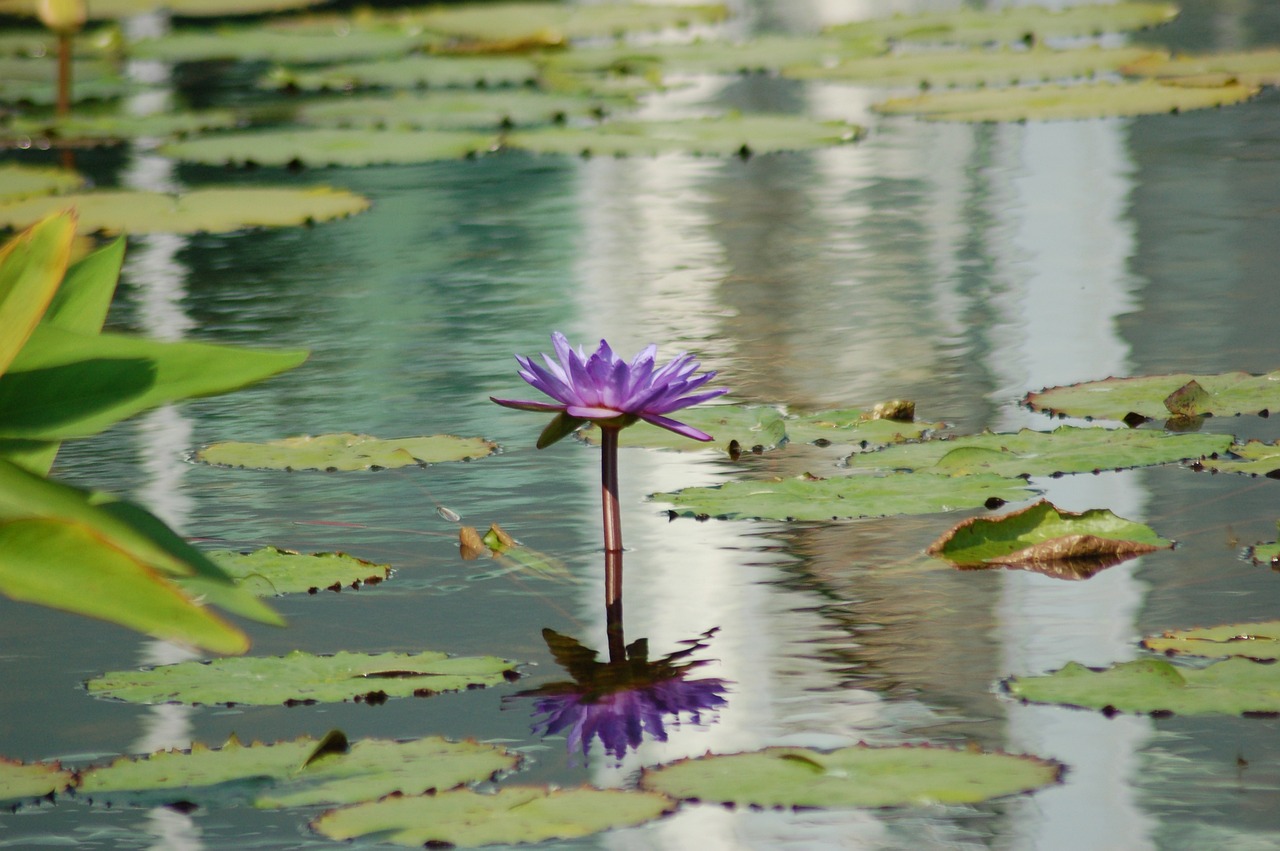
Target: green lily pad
[409, 72]
[270, 571]
[766, 53]
[957, 68]
[453, 110]
[200, 210]
[843, 497]
[23, 181]
[873, 428]
[338, 42]
[512, 815]
[1251, 68]
[1252, 458]
[1063, 103]
[1252, 640]
[1116, 398]
[1231, 687]
[857, 776]
[1011, 23]
[755, 428]
[302, 677]
[116, 9]
[334, 452]
[321, 147]
[748, 134]
[1043, 535]
[301, 772]
[34, 81]
[504, 22]
[26, 782]
[1067, 449]
[117, 127]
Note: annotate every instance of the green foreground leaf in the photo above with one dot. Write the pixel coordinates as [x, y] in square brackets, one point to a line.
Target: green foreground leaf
[512, 815]
[303, 677]
[858, 776]
[1252, 640]
[336, 452]
[271, 571]
[31, 268]
[1231, 687]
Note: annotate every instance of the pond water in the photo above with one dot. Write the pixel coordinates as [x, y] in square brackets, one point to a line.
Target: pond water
[958, 266]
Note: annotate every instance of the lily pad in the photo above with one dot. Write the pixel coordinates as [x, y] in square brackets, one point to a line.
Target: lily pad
[512, 815]
[1252, 458]
[100, 128]
[1063, 103]
[1252, 68]
[843, 497]
[116, 9]
[966, 68]
[334, 452]
[1011, 23]
[271, 571]
[1116, 398]
[338, 42]
[301, 772]
[197, 211]
[28, 781]
[1042, 535]
[321, 147]
[879, 426]
[23, 181]
[514, 555]
[748, 134]
[303, 677]
[1067, 449]
[453, 110]
[752, 428]
[1251, 640]
[557, 22]
[1231, 687]
[409, 72]
[33, 81]
[857, 776]
[766, 53]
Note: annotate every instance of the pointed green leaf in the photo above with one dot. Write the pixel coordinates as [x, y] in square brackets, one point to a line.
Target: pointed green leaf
[561, 426]
[1252, 640]
[335, 452]
[300, 677]
[1115, 398]
[25, 782]
[858, 776]
[269, 571]
[32, 265]
[66, 385]
[83, 299]
[512, 815]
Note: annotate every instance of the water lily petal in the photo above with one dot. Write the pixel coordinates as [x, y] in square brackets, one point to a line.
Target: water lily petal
[526, 406]
[677, 427]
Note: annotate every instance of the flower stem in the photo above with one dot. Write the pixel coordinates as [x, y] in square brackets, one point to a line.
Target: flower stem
[613, 606]
[63, 107]
[609, 489]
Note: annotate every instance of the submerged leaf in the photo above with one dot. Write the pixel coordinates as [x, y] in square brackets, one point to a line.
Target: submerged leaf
[1115, 398]
[335, 452]
[521, 558]
[1231, 687]
[296, 773]
[1252, 640]
[271, 571]
[512, 815]
[302, 677]
[858, 776]
[1043, 538]
[27, 781]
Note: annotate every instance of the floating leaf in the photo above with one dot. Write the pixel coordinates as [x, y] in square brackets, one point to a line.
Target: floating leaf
[748, 134]
[115, 9]
[301, 772]
[336, 41]
[887, 423]
[334, 452]
[964, 68]
[1043, 538]
[499, 22]
[32, 266]
[25, 782]
[1250, 68]
[1011, 23]
[452, 110]
[410, 72]
[1232, 687]
[766, 53]
[1059, 103]
[1266, 554]
[272, 571]
[512, 815]
[19, 181]
[809, 498]
[116, 127]
[1115, 398]
[1252, 640]
[857, 776]
[34, 80]
[321, 147]
[752, 428]
[302, 677]
[1067, 449]
[200, 210]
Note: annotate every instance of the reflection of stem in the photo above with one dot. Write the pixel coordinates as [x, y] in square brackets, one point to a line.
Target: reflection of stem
[613, 606]
[64, 74]
[609, 490]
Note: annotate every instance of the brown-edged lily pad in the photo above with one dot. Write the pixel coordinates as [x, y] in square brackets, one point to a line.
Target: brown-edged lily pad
[335, 452]
[512, 815]
[1259, 640]
[857, 776]
[28, 781]
[1045, 539]
[1149, 396]
[1253, 67]
[269, 571]
[304, 678]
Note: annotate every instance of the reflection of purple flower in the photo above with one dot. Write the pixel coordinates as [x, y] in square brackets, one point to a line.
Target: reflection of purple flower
[622, 701]
[605, 389]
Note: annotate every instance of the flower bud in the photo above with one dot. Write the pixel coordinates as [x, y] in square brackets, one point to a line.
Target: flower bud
[62, 16]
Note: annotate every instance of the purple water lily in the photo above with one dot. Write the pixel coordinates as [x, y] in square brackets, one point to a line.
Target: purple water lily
[604, 389]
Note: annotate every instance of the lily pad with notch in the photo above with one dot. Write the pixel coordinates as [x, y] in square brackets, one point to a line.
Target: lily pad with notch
[300, 677]
[20, 782]
[271, 571]
[1116, 398]
[1259, 640]
[345, 452]
[511, 815]
[301, 772]
[857, 776]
